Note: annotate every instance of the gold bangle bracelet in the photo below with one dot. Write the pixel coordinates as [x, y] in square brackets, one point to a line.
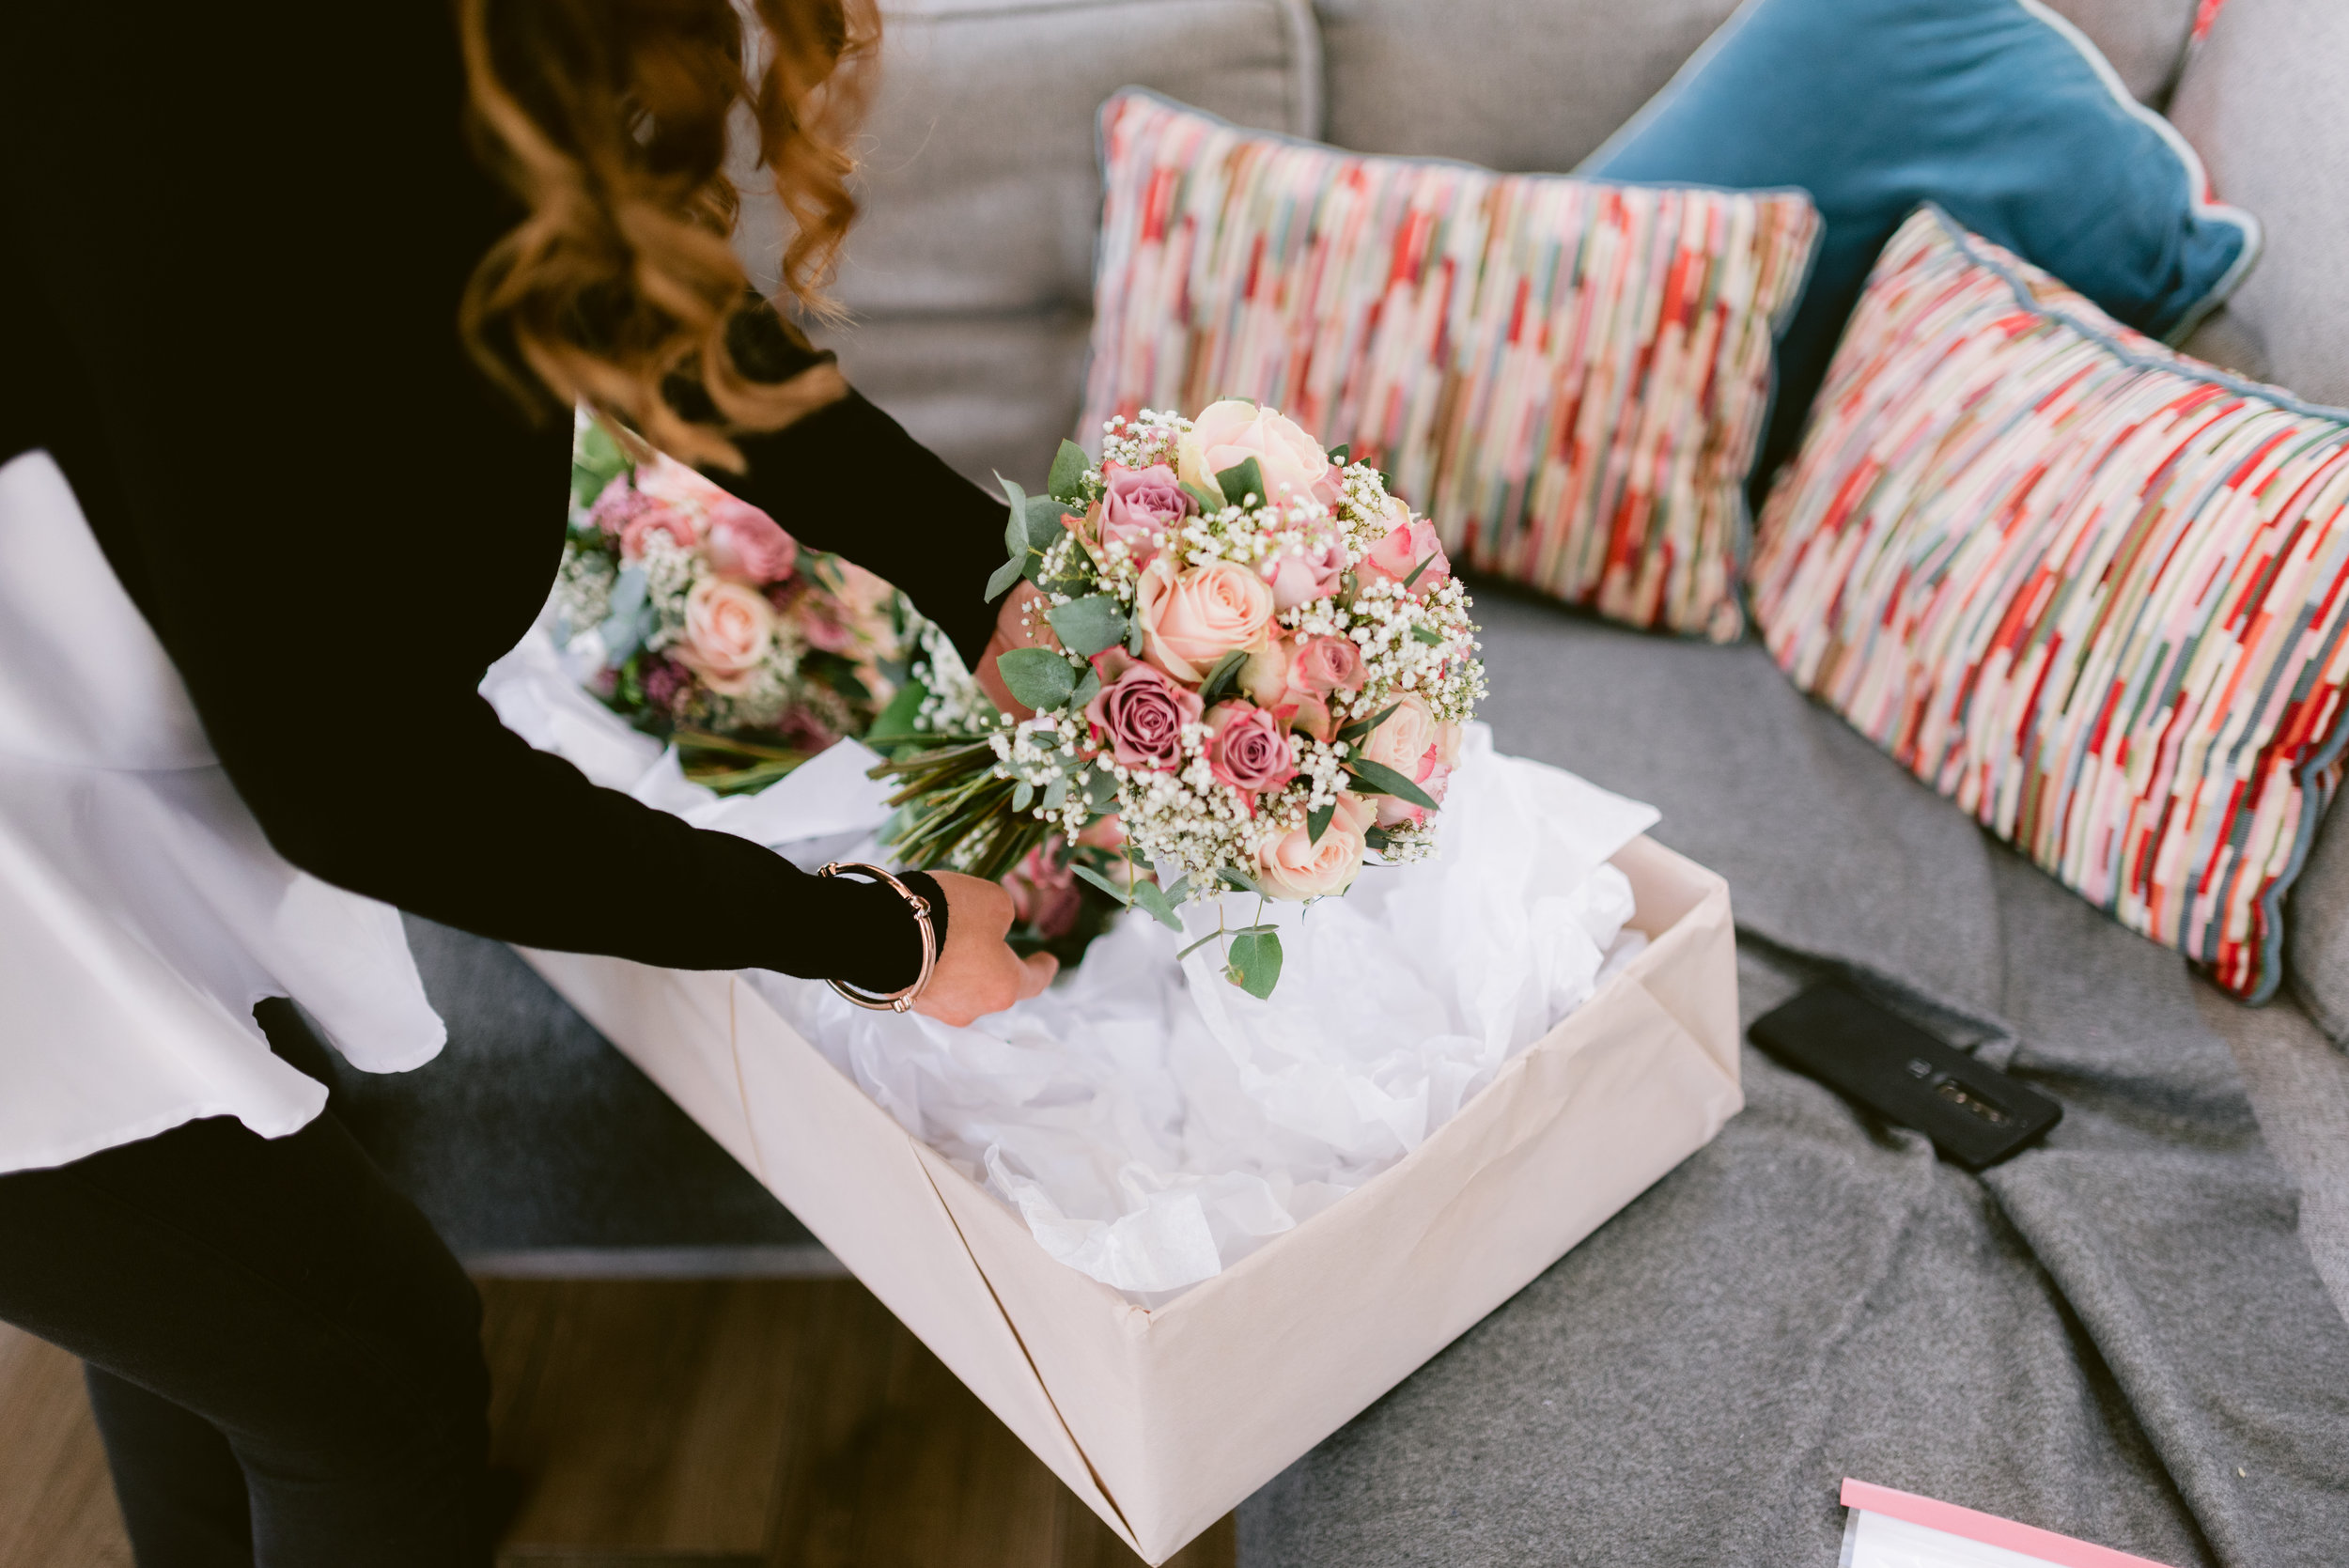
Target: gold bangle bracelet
[893, 1001]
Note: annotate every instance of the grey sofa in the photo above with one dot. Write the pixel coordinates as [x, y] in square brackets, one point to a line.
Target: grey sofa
[535, 1146]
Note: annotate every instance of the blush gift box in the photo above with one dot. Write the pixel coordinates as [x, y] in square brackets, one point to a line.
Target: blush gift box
[1164, 1416]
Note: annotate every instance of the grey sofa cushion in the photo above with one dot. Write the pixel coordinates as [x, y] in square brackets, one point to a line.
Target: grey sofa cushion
[1533, 86]
[975, 254]
[2262, 100]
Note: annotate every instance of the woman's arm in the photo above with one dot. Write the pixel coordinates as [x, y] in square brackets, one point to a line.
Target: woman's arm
[330, 521]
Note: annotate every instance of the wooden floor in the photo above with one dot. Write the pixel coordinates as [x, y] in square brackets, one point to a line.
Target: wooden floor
[768, 1423]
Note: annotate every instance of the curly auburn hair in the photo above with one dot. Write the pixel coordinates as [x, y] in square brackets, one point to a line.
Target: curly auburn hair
[608, 118]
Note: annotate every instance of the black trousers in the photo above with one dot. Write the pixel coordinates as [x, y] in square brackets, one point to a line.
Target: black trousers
[284, 1359]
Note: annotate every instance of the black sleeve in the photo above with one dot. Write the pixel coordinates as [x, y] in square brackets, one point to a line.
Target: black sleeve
[331, 522]
[849, 479]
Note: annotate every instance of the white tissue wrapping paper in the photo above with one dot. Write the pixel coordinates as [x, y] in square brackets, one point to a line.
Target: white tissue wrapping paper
[1152, 1123]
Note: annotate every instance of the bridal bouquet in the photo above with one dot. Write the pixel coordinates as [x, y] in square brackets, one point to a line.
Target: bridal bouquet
[1251, 655]
[695, 616]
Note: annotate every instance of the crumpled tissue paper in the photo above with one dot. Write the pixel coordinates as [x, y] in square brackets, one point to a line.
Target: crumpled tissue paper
[1152, 1123]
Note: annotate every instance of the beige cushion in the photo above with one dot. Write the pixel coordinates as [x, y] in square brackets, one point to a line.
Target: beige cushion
[1535, 86]
[2262, 100]
[970, 274]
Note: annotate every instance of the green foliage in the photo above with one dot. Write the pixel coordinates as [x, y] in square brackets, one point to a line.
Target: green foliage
[1223, 676]
[1362, 727]
[1256, 963]
[1377, 778]
[1040, 677]
[1208, 501]
[596, 461]
[1242, 480]
[1318, 820]
[1342, 454]
[894, 725]
[1087, 625]
[1068, 471]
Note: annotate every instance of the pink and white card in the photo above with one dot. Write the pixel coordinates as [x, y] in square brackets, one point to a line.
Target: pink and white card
[1900, 1529]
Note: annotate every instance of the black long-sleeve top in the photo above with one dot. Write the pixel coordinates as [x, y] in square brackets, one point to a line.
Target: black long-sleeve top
[232, 242]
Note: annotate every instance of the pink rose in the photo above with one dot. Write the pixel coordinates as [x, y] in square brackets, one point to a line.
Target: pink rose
[1309, 714]
[728, 630]
[1141, 714]
[1404, 548]
[1191, 619]
[746, 543]
[1325, 665]
[1404, 738]
[1434, 777]
[1044, 892]
[1141, 504]
[1247, 749]
[628, 513]
[1301, 576]
[1292, 866]
[1228, 433]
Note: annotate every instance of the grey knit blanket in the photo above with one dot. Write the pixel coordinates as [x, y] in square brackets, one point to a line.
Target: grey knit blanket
[2117, 1335]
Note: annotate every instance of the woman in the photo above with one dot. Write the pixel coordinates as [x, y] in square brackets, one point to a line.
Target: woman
[237, 244]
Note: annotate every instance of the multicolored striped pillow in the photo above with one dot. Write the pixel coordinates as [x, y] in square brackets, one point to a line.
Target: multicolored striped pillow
[2095, 591]
[1568, 376]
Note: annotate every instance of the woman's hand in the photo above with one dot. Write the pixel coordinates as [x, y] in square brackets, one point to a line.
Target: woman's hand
[979, 974]
[1015, 628]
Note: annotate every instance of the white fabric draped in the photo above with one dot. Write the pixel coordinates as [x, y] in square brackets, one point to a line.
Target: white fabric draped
[142, 912]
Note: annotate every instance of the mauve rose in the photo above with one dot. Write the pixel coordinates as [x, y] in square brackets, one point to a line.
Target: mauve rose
[1044, 892]
[1404, 548]
[1321, 665]
[1293, 865]
[1138, 505]
[1142, 715]
[1191, 619]
[746, 543]
[728, 631]
[1247, 749]
[1302, 575]
[1228, 433]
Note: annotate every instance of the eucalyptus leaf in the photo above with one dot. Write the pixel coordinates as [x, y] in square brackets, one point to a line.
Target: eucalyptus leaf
[1016, 525]
[1087, 625]
[1377, 778]
[1221, 677]
[1175, 893]
[1134, 638]
[1150, 897]
[895, 723]
[1101, 788]
[1056, 793]
[1242, 480]
[1125, 899]
[1039, 677]
[1043, 515]
[1256, 962]
[1238, 879]
[1318, 820]
[1006, 575]
[1068, 471]
[1088, 686]
[1023, 795]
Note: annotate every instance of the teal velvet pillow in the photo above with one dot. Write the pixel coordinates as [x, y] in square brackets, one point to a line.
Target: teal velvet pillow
[1998, 111]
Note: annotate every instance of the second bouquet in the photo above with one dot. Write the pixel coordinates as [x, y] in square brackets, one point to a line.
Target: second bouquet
[1252, 670]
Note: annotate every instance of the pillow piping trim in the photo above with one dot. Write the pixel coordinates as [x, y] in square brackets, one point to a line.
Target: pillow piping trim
[2189, 162]
[2271, 903]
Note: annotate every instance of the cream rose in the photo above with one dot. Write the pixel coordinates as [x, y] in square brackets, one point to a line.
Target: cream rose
[1227, 434]
[1191, 619]
[1291, 866]
[1403, 740]
[729, 629]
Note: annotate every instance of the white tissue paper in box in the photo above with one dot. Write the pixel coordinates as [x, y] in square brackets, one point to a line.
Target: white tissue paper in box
[1152, 1123]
